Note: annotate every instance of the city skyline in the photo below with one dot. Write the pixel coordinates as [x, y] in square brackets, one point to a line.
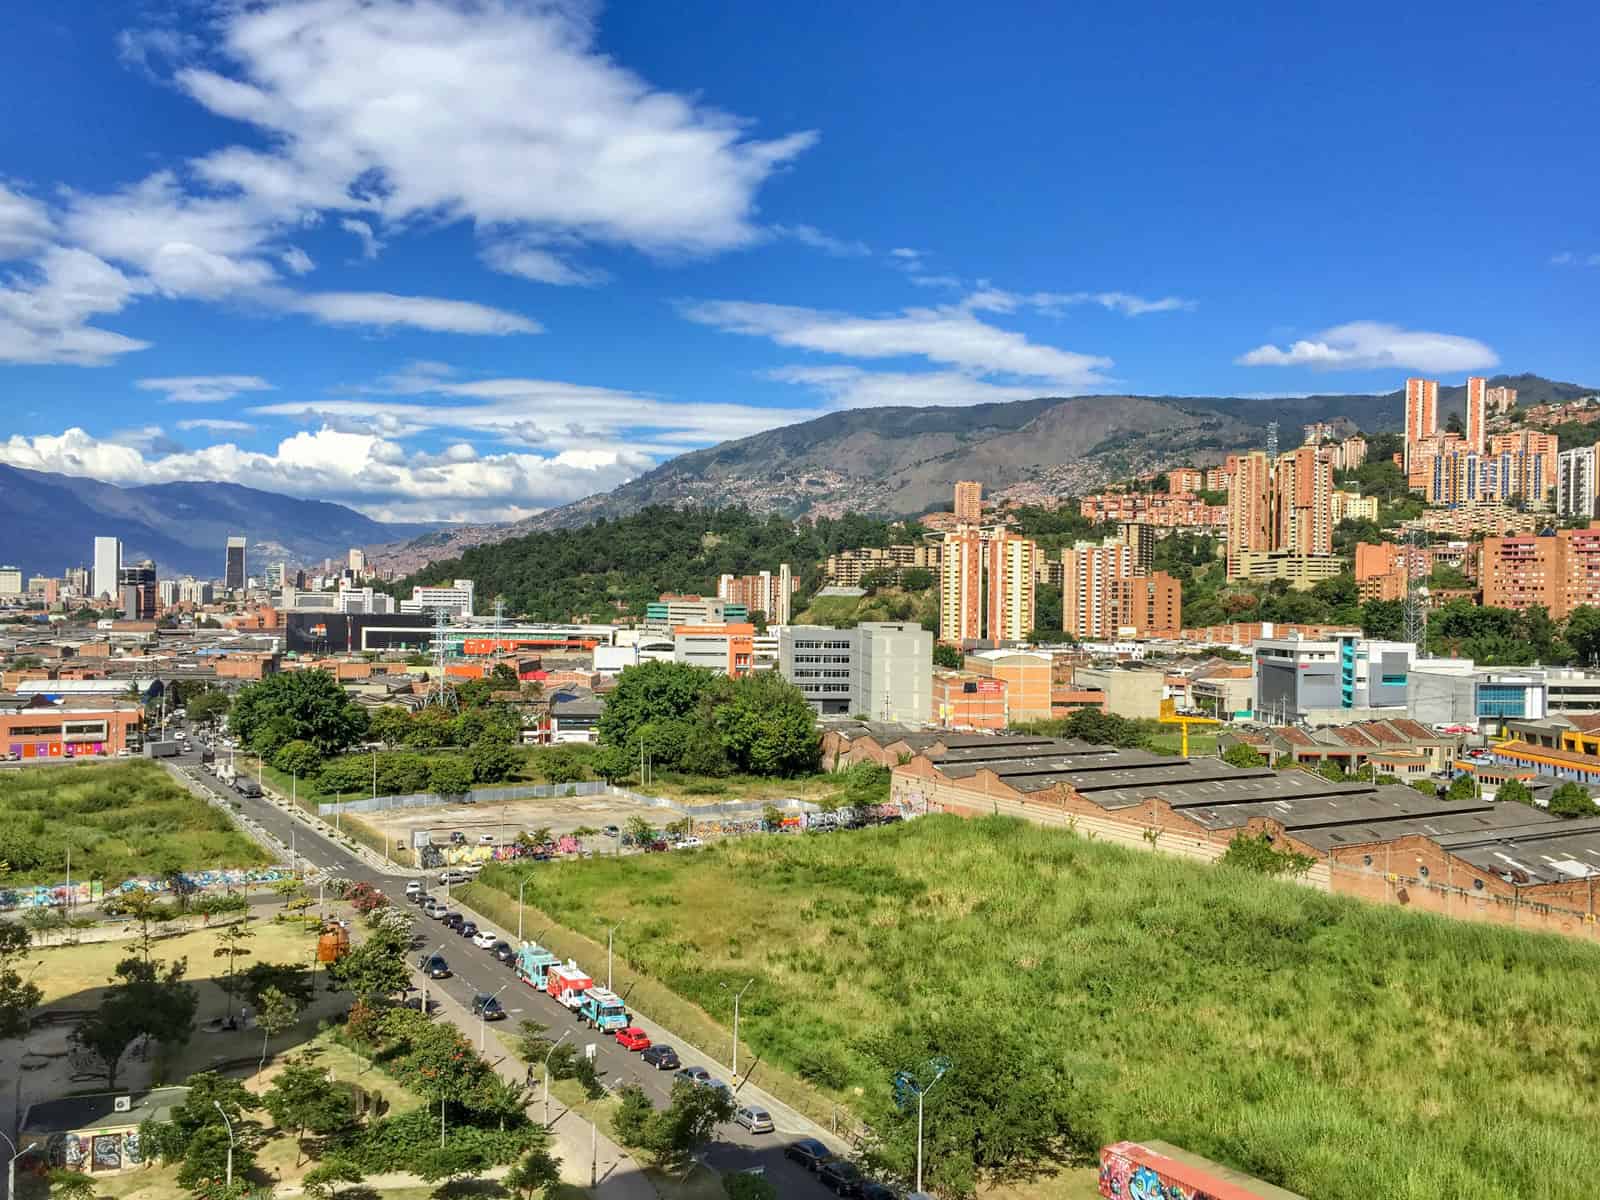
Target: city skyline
[238, 276]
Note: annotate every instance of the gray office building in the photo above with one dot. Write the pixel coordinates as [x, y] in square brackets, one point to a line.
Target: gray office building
[882, 670]
[1330, 681]
[233, 575]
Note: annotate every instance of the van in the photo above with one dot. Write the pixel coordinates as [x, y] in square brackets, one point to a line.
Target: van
[249, 787]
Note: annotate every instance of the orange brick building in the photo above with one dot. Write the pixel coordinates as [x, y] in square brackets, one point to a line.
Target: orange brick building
[1026, 674]
[968, 700]
[1560, 572]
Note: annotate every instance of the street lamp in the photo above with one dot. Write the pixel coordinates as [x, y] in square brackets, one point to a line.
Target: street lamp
[736, 997]
[558, 1042]
[217, 1104]
[520, 886]
[483, 1016]
[11, 1167]
[906, 1080]
[609, 932]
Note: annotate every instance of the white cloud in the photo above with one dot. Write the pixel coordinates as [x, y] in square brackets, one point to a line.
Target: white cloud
[385, 310]
[810, 235]
[363, 470]
[1565, 259]
[217, 425]
[370, 245]
[25, 226]
[203, 389]
[530, 261]
[851, 387]
[297, 260]
[44, 316]
[950, 336]
[993, 299]
[1360, 345]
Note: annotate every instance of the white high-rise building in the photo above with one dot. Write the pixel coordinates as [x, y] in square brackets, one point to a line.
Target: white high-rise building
[107, 563]
[1576, 482]
[455, 600]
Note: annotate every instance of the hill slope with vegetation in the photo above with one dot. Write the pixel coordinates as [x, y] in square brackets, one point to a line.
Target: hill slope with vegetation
[1085, 993]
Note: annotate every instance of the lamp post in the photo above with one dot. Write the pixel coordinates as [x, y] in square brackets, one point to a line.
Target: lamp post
[558, 1042]
[11, 1167]
[736, 997]
[940, 1067]
[483, 1016]
[520, 887]
[609, 932]
[217, 1104]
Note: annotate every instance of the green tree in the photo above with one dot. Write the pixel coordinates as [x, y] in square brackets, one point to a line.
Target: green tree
[1463, 787]
[1242, 755]
[493, 762]
[18, 996]
[302, 1097]
[1572, 800]
[1583, 634]
[947, 656]
[306, 706]
[631, 1121]
[536, 1171]
[67, 1184]
[639, 830]
[276, 1014]
[1383, 619]
[389, 725]
[233, 948]
[917, 579]
[1514, 791]
[323, 1180]
[451, 776]
[374, 969]
[143, 1001]
[297, 758]
[741, 1185]
[767, 727]
[674, 1134]
[1255, 852]
[209, 707]
[205, 1160]
[650, 694]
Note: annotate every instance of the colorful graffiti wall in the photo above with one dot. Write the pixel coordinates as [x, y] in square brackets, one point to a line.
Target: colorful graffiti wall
[95, 1150]
[59, 895]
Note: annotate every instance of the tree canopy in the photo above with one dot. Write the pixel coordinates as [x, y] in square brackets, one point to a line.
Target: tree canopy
[307, 706]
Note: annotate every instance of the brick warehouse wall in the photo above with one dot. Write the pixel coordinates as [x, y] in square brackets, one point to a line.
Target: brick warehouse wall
[1395, 876]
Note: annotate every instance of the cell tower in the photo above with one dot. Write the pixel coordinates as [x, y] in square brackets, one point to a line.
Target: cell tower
[1414, 617]
[1272, 441]
[440, 693]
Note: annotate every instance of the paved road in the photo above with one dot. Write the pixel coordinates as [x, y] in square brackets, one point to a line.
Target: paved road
[475, 970]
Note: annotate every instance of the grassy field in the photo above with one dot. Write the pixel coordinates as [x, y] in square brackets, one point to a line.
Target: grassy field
[1202, 742]
[1338, 1049]
[118, 820]
[885, 604]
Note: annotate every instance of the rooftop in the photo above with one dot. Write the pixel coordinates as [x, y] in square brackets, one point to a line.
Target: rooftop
[99, 1109]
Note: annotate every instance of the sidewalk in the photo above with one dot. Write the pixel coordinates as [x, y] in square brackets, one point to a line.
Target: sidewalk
[618, 1176]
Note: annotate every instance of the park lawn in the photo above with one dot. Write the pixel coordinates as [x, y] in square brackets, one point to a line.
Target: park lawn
[1202, 742]
[1339, 1049]
[119, 820]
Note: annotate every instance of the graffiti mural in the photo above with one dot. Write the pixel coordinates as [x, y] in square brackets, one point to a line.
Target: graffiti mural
[107, 1152]
[130, 1148]
[93, 892]
[1124, 1177]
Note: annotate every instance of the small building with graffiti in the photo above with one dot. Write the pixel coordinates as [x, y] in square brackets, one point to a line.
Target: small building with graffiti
[99, 1132]
[1158, 1171]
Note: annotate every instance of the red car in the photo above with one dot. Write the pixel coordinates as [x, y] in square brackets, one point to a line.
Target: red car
[633, 1038]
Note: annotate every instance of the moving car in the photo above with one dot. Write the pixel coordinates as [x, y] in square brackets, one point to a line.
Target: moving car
[454, 920]
[421, 899]
[452, 876]
[484, 939]
[611, 831]
[698, 1076]
[486, 839]
[486, 1006]
[413, 889]
[434, 966]
[633, 1038]
[472, 869]
[840, 1177]
[756, 1120]
[661, 1056]
[808, 1152]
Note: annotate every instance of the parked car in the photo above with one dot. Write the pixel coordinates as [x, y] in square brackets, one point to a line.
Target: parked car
[472, 869]
[436, 910]
[486, 1006]
[756, 1120]
[467, 929]
[484, 939]
[657, 846]
[486, 839]
[434, 966]
[421, 899]
[504, 952]
[452, 876]
[871, 1189]
[661, 1056]
[454, 920]
[840, 1177]
[611, 831]
[698, 1076]
[688, 843]
[633, 1038]
[808, 1152]
[457, 838]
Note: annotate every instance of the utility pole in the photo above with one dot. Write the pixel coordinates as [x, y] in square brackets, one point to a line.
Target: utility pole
[609, 932]
[520, 888]
[736, 998]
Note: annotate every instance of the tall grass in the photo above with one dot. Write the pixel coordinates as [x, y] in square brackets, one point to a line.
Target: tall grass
[1336, 1048]
[119, 820]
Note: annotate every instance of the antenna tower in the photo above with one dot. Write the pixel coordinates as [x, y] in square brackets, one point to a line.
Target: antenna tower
[1414, 618]
[440, 693]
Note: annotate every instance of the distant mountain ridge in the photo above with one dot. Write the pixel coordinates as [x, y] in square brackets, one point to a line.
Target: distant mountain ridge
[48, 522]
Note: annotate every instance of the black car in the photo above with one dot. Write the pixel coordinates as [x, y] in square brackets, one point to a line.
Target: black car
[808, 1152]
[504, 952]
[873, 1190]
[434, 966]
[454, 920]
[661, 1056]
[466, 929]
[840, 1177]
[420, 899]
[486, 1006]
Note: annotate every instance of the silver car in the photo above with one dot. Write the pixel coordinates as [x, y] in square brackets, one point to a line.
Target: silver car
[756, 1120]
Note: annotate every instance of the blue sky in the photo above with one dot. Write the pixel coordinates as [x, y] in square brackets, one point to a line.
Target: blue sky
[465, 259]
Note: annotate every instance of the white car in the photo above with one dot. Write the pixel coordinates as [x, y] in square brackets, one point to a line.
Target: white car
[485, 939]
[688, 843]
[472, 869]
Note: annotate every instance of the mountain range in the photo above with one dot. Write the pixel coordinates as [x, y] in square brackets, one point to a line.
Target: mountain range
[48, 522]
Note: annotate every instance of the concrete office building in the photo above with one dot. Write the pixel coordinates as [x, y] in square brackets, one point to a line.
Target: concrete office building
[882, 669]
[1331, 680]
[1127, 691]
[1455, 691]
[672, 609]
[233, 567]
[10, 581]
[725, 648]
[136, 591]
[107, 562]
[455, 599]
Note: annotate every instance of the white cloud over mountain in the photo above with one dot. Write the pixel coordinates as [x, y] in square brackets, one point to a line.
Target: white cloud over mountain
[1365, 345]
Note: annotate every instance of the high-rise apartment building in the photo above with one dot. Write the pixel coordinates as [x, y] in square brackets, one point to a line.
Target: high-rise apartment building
[233, 576]
[764, 592]
[1577, 481]
[1477, 411]
[1249, 506]
[1302, 508]
[167, 593]
[961, 585]
[1558, 572]
[1422, 412]
[969, 502]
[1105, 594]
[107, 562]
[358, 561]
[1500, 400]
[1010, 564]
[1526, 464]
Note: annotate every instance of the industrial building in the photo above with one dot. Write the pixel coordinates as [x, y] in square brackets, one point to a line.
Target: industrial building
[880, 669]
